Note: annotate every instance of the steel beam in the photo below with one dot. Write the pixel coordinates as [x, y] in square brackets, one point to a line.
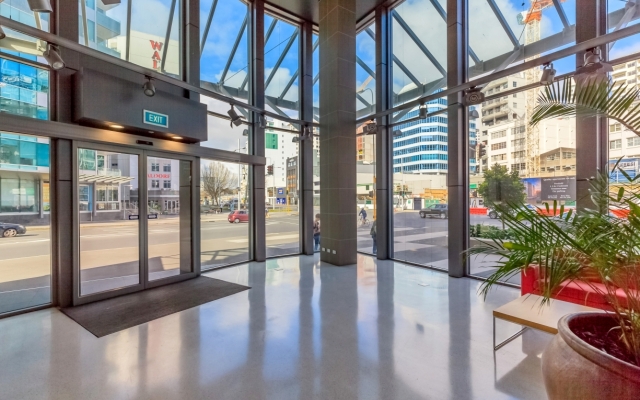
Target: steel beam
[384, 139]
[281, 58]
[305, 150]
[257, 228]
[457, 139]
[167, 35]
[205, 34]
[505, 25]
[234, 49]
[561, 13]
[418, 42]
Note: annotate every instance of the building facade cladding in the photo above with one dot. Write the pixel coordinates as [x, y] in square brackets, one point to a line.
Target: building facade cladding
[624, 143]
[504, 132]
[410, 149]
[24, 179]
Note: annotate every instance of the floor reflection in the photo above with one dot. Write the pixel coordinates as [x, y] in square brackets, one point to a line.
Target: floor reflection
[305, 330]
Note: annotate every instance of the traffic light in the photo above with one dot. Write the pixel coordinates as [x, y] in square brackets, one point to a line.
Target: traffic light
[269, 169]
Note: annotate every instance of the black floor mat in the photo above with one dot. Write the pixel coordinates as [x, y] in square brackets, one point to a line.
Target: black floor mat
[113, 315]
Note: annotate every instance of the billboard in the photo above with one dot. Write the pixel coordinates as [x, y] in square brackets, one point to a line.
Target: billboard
[630, 167]
[560, 188]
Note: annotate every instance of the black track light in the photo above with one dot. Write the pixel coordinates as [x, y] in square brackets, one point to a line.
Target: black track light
[148, 88]
[423, 111]
[235, 118]
[548, 75]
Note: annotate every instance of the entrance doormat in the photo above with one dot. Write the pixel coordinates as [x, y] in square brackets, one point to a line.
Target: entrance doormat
[113, 315]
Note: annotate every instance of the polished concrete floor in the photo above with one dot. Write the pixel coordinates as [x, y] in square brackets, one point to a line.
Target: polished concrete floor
[306, 330]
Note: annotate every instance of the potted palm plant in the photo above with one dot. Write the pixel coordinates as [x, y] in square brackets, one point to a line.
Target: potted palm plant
[594, 355]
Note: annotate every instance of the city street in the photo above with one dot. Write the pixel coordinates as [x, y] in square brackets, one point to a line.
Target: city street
[109, 250]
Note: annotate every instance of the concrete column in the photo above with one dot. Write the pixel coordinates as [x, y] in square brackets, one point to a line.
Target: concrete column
[305, 162]
[458, 139]
[592, 150]
[384, 138]
[337, 130]
[257, 172]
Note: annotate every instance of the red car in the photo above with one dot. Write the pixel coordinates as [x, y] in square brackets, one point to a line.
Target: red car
[238, 216]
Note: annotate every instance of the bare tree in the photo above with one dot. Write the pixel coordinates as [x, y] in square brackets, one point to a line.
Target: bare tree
[217, 180]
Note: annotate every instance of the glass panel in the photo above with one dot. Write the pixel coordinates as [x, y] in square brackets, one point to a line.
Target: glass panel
[537, 163]
[282, 202]
[223, 186]
[18, 10]
[281, 61]
[419, 49]
[25, 245]
[108, 217]
[621, 15]
[365, 71]
[169, 215]
[366, 191]
[224, 47]
[496, 34]
[222, 134]
[24, 90]
[153, 41]
[420, 194]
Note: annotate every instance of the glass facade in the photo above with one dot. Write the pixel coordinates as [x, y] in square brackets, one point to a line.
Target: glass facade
[142, 32]
[498, 135]
[224, 198]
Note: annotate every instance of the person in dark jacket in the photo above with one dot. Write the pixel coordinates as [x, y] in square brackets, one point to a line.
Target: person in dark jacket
[316, 233]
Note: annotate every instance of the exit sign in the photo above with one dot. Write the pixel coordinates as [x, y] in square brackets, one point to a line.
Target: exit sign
[155, 119]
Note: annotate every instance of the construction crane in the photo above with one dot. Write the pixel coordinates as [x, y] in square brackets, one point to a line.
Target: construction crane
[531, 21]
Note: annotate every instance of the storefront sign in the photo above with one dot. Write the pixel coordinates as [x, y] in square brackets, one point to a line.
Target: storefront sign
[155, 119]
[563, 188]
[157, 48]
[159, 176]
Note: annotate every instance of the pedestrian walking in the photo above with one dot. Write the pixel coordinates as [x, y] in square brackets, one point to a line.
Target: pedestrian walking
[374, 235]
[316, 233]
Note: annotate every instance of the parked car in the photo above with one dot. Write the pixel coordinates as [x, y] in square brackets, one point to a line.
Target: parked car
[235, 217]
[493, 214]
[435, 210]
[11, 230]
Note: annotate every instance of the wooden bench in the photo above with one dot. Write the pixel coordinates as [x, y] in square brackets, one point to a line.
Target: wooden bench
[528, 312]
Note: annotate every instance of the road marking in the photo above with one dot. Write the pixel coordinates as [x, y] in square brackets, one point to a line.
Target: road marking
[25, 242]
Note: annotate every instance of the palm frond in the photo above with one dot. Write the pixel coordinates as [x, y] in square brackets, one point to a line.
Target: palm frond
[596, 98]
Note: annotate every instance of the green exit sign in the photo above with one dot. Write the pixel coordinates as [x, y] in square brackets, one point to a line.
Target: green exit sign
[155, 119]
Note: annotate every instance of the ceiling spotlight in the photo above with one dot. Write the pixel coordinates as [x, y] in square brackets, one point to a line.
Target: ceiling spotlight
[43, 6]
[423, 111]
[53, 57]
[176, 137]
[473, 96]
[397, 133]
[111, 2]
[235, 118]
[148, 88]
[548, 74]
[2, 34]
[116, 126]
[594, 69]
[473, 114]
[245, 132]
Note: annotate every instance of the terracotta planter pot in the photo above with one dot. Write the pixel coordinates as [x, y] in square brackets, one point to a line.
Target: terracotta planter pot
[573, 369]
